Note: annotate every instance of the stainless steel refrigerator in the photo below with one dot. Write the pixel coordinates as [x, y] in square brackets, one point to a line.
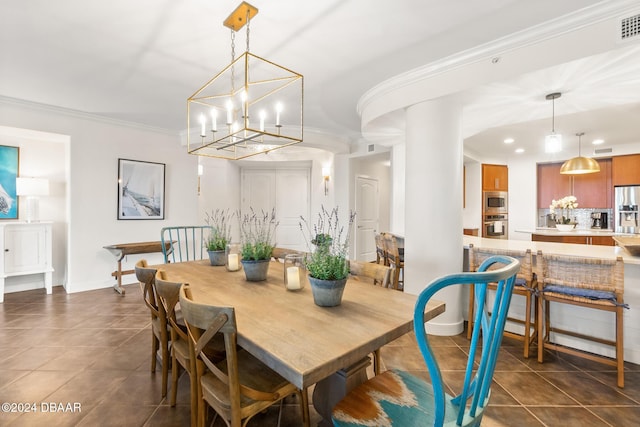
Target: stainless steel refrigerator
[626, 209]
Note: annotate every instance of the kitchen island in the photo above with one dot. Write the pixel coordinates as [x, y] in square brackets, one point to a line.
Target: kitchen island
[583, 236]
[577, 318]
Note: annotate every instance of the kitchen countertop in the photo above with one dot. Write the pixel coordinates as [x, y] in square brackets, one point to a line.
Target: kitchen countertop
[552, 231]
[589, 251]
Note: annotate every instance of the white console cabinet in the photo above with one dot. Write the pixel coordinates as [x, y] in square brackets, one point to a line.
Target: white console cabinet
[26, 249]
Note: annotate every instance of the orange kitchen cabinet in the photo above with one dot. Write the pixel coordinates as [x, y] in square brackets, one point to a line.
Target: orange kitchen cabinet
[495, 178]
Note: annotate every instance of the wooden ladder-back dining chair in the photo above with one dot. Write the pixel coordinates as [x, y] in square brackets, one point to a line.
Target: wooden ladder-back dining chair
[380, 275]
[381, 254]
[240, 386]
[169, 294]
[395, 260]
[278, 254]
[185, 243]
[159, 326]
[585, 282]
[526, 286]
[397, 398]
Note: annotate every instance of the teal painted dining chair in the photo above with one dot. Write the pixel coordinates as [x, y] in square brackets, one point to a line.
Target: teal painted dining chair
[396, 398]
[187, 242]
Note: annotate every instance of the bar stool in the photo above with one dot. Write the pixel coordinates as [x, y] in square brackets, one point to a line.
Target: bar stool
[585, 282]
[525, 286]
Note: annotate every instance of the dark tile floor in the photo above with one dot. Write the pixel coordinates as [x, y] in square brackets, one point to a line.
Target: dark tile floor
[83, 359]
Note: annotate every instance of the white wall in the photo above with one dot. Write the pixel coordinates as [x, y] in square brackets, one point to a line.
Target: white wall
[94, 148]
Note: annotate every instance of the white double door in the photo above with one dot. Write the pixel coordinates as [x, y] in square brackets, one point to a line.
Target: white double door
[286, 190]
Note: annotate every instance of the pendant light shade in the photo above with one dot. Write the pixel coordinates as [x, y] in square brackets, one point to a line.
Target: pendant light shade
[553, 141]
[580, 165]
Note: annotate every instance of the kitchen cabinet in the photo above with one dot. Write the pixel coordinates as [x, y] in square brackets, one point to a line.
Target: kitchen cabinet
[552, 185]
[495, 178]
[26, 249]
[626, 170]
[592, 190]
[578, 239]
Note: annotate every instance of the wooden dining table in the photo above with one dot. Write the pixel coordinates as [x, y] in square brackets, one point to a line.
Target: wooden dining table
[305, 343]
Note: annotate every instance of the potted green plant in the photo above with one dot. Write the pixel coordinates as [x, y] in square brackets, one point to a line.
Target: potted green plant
[257, 234]
[220, 221]
[327, 261]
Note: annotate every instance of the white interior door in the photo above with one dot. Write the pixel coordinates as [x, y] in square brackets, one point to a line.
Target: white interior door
[367, 205]
[286, 190]
[292, 201]
[258, 190]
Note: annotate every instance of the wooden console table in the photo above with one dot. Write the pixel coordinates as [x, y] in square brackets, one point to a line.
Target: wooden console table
[124, 249]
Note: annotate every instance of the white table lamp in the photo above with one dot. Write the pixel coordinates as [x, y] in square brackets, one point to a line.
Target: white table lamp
[32, 189]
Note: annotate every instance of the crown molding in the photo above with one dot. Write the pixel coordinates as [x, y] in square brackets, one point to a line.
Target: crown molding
[559, 26]
[81, 115]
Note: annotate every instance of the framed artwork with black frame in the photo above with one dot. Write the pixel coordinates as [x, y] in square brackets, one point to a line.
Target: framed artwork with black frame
[9, 162]
[140, 189]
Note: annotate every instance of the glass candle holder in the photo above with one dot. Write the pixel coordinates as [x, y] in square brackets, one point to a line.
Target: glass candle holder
[295, 273]
[232, 256]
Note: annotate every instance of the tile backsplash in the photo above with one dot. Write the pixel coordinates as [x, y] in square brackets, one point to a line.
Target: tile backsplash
[583, 216]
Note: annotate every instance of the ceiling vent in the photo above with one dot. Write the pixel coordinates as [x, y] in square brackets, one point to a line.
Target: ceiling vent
[608, 150]
[630, 27]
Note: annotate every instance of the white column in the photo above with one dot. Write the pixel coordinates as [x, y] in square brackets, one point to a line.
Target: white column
[433, 216]
[398, 171]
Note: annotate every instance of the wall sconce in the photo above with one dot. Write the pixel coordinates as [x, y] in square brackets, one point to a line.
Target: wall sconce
[200, 172]
[32, 188]
[326, 175]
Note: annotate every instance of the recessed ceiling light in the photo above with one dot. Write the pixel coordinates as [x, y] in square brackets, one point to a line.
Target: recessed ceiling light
[598, 141]
[509, 140]
[519, 150]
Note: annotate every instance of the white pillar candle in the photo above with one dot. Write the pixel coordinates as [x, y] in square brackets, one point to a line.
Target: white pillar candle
[214, 120]
[203, 123]
[278, 111]
[293, 278]
[263, 116]
[229, 112]
[233, 262]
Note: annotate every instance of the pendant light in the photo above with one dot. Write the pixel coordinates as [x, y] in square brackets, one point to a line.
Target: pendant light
[580, 165]
[250, 107]
[553, 141]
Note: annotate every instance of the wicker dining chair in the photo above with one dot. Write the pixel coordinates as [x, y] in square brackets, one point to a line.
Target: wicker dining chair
[526, 287]
[594, 283]
[397, 398]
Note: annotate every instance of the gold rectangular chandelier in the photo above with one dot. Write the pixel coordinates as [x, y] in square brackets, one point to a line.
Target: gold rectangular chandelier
[252, 106]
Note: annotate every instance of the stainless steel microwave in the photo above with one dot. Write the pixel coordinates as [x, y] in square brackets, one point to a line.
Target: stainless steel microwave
[495, 202]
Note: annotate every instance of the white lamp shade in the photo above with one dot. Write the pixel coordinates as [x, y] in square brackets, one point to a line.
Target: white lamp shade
[32, 187]
[553, 143]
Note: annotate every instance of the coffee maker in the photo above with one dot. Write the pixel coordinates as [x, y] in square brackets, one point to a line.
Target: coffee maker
[599, 220]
